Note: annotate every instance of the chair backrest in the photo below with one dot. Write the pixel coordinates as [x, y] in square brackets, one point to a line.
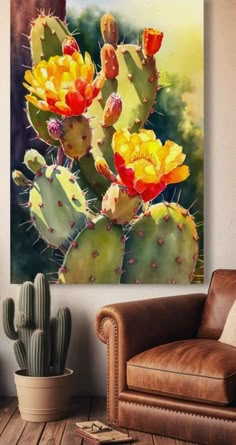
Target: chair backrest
[221, 296]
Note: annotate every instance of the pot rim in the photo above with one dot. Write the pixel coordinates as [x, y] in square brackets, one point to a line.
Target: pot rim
[67, 373]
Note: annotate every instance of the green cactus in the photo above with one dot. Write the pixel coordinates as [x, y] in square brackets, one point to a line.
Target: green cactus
[119, 206]
[25, 315]
[45, 29]
[36, 349]
[56, 203]
[38, 355]
[95, 256]
[8, 314]
[20, 354]
[46, 38]
[62, 339]
[38, 120]
[76, 136]
[41, 302]
[136, 83]
[162, 247]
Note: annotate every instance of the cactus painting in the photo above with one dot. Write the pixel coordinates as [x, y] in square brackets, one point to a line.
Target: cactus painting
[111, 191]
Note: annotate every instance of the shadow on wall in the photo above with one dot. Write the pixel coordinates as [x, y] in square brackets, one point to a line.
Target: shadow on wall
[208, 156]
[2, 385]
[80, 353]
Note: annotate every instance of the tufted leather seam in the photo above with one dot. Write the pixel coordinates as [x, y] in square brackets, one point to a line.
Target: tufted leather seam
[175, 411]
[108, 367]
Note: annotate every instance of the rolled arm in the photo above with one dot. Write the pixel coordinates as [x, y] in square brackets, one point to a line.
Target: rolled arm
[132, 327]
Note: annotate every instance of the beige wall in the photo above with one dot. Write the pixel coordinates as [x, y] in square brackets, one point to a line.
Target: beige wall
[87, 354]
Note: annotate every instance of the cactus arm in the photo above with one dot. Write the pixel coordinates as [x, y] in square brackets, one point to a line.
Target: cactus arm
[20, 354]
[26, 303]
[63, 333]
[8, 311]
[24, 319]
[47, 29]
[38, 355]
[53, 327]
[42, 302]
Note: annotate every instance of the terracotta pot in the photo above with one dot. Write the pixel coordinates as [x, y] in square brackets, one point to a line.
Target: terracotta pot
[43, 399]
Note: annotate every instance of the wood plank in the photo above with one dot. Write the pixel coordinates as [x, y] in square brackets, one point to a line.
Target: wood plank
[98, 409]
[7, 409]
[13, 429]
[80, 412]
[142, 438]
[161, 440]
[53, 432]
[31, 434]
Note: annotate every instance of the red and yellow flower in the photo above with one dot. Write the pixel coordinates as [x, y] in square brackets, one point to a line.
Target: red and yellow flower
[152, 40]
[144, 165]
[63, 84]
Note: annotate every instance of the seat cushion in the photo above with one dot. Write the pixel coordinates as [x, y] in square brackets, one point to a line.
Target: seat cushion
[199, 370]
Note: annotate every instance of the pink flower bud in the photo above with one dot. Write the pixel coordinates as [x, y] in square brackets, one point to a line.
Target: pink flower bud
[112, 110]
[54, 127]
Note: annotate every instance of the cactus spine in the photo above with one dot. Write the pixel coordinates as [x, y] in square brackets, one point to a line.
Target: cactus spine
[36, 349]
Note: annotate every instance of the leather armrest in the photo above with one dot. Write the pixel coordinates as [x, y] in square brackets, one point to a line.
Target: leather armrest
[132, 327]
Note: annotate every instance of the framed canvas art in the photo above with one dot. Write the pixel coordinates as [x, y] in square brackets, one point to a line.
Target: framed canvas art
[107, 141]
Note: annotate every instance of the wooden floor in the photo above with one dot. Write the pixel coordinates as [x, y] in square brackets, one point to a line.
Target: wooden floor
[14, 431]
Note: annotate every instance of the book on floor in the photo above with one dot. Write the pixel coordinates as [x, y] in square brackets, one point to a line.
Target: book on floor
[96, 432]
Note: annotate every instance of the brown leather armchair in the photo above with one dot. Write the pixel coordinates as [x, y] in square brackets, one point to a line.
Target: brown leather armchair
[167, 372]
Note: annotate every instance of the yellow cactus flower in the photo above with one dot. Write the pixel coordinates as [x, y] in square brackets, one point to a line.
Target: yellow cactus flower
[63, 84]
[144, 165]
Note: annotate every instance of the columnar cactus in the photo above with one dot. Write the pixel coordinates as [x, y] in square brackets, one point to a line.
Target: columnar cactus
[39, 351]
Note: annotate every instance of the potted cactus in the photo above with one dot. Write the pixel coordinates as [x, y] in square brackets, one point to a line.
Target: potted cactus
[41, 345]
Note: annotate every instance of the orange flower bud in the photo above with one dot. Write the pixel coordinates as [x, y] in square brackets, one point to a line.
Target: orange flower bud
[109, 61]
[109, 29]
[112, 110]
[152, 39]
[103, 168]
